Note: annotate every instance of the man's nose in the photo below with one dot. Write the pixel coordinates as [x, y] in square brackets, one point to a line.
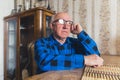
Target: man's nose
[65, 26]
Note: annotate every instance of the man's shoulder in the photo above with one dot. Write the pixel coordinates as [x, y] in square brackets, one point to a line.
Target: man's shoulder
[72, 39]
[43, 39]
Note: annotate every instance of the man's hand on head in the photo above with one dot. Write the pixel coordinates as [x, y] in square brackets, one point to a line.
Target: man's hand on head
[76, 29]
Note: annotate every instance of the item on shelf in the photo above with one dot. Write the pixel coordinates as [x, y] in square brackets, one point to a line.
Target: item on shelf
[27, 4]
[42, 3]
[20, 8]
[13, 11]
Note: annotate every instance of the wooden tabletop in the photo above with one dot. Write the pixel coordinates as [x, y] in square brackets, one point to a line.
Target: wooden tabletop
[111, 59]
[71, 74]
[58, 75]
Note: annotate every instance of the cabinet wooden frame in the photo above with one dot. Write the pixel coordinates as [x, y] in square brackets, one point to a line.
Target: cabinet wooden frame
[39, 30]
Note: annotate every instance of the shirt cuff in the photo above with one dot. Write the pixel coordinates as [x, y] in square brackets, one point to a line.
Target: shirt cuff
[79, 59]
[82, 35]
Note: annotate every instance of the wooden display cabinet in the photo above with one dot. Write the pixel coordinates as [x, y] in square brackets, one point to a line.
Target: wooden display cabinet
[20, 30]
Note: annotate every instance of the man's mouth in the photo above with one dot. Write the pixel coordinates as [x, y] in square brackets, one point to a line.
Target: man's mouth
[64, 31]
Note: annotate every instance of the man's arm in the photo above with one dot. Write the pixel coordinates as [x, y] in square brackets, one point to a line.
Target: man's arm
[88, 43]
[92, 57]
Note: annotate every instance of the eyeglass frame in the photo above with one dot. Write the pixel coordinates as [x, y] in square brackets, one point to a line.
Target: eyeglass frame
[64, 22]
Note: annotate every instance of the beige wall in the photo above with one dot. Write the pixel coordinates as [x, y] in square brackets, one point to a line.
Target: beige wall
[100, 18]
[118, 28]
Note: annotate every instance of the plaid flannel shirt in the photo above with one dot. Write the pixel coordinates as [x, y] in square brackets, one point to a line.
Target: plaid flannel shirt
[51, 55]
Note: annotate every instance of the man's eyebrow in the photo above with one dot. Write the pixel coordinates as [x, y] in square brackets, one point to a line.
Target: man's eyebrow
[55, 20]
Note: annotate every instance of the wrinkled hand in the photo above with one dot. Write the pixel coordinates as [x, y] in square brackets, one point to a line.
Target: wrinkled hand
[93, 60]
[76, 29]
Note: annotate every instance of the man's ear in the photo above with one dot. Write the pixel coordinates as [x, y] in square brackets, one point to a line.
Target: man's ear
[51, 25]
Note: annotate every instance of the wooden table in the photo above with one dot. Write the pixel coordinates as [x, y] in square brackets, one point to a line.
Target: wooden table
[111, 59]
[71, 74]
[58, 75]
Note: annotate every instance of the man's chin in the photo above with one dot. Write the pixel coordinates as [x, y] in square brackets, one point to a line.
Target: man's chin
[63, 37]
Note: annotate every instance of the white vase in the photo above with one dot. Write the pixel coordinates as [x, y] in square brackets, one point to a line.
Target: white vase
[42, 3]
[27, 4]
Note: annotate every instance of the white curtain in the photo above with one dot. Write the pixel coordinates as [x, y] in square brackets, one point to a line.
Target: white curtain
[100, 18]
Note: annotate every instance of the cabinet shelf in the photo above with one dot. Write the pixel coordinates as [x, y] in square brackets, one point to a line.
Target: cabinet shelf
[23, 28]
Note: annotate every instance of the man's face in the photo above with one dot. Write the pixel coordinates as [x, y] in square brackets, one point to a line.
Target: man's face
[62, 25]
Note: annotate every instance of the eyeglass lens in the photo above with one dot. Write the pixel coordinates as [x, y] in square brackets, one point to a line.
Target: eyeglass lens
[62, 21]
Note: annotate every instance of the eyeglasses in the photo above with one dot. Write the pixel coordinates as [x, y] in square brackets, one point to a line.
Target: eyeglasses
[63, 22]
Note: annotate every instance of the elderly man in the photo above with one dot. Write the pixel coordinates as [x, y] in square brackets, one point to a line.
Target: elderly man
[61, 52]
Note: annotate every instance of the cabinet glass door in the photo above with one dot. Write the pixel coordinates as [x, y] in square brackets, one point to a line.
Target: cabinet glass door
[11, 50]
[48, 30]
[26, 38]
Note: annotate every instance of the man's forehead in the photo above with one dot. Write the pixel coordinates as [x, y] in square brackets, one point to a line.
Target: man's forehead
[62, 15]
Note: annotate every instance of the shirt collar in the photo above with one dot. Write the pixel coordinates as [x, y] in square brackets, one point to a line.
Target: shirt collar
[55, 42]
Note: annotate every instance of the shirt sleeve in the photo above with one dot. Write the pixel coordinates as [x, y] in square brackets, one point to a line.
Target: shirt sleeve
[47, 61]
[89, 44]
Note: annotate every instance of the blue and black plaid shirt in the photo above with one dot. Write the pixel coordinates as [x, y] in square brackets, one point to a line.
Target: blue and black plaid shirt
[51, 55]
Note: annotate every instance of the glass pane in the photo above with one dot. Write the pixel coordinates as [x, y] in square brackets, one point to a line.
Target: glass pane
[12, 25]
[12, 37]
[48, 30]
[11, 61]
[11, 52]
[26, 38]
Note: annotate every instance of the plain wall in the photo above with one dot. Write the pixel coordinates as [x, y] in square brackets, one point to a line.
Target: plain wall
[5, 9]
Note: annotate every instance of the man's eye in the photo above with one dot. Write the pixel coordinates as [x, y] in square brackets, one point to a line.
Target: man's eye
[68, 23]
[61, 21]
